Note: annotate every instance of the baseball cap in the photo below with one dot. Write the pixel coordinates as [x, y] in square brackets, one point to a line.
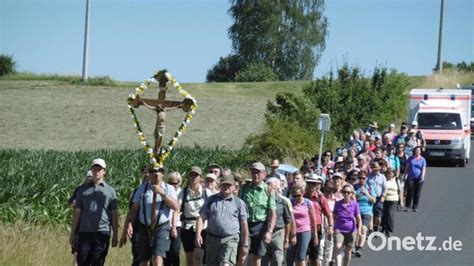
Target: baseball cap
[195, 169]
[100, 162]
[228, 179]
[337, 175]
[211, 176]
[258, 165]
[414, 123]
[213, 165]
[89, 173]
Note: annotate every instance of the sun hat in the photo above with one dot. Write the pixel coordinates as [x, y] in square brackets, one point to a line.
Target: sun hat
[374, 125]
[258, 166]
[314, 178]
[228, 179]
[100, 162]
[195, 169]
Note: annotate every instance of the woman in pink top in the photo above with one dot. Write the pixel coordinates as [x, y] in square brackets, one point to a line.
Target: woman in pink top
[305, 221]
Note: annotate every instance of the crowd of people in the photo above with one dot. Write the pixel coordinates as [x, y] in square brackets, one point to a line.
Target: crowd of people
[319, 215]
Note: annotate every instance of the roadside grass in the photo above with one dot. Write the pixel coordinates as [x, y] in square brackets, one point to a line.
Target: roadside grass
[448, 79]
[72, 79]
[23, 244]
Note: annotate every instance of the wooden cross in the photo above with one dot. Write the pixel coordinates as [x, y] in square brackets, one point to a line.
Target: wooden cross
[161, 105]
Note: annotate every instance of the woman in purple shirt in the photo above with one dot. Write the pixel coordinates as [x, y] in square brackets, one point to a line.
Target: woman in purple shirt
[414, 178]
[347, 224]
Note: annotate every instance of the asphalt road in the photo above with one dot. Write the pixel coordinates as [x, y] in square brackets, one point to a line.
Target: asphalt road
[446, 210]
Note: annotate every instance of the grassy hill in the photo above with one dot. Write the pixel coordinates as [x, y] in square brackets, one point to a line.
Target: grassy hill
[40, 112]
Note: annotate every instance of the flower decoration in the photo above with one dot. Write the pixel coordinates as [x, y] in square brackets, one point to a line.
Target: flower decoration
[164, 152]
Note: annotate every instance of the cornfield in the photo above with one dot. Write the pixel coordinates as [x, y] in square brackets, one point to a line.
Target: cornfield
[37, 184]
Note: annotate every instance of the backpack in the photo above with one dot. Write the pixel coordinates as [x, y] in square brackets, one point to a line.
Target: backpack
[182, 217]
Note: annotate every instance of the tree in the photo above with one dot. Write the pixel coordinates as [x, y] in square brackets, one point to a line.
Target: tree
[7, 65]
[225, 70]
[287, 35]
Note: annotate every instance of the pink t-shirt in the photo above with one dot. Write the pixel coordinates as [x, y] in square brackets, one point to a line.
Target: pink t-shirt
[301, 214]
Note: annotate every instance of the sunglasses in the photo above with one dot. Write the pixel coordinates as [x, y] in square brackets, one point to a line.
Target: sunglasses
[174, 183]
[297, 195]
[346, 192]
[363, 178]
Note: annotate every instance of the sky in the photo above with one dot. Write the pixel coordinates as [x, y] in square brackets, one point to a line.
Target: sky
[130, 39]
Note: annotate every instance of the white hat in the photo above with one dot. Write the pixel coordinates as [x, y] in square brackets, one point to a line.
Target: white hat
[89, 173]
[392, 125]
[314, 178]
[99, 162]
[211, 176]
[414, 123]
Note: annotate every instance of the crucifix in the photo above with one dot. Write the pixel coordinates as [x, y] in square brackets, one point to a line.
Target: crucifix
[161, 105]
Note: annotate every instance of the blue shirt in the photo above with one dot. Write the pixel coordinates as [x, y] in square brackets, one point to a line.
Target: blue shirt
[394, 161]
[378, 182]
[365, 205]
[145, 192]
[415, 167]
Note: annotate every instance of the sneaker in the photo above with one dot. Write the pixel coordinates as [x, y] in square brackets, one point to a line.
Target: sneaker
[406, 210]
[388, 234]
[414, 210]
[358, 252]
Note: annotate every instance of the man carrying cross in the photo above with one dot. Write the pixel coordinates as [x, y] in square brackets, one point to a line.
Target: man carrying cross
[153, 203]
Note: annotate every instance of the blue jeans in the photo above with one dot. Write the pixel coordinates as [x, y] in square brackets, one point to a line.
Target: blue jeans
[298, 252]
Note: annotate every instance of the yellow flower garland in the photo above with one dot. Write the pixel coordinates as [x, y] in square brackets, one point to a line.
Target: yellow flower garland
[165, 152]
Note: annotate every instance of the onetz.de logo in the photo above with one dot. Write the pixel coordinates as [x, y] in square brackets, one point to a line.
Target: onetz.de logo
[377, 241]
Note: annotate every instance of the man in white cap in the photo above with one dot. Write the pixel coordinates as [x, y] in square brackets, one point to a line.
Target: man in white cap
[95, 212]
[262, 212]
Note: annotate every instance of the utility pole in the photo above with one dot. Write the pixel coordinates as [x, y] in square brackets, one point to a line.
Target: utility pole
[439, 66]
[86, 43]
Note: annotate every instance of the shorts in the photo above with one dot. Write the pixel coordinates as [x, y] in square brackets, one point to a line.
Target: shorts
[346, 238]
[366, 219]
[221, 249]
[188, 237]
[378, 208]
[161, 242]
[256, 232]
[313, 251]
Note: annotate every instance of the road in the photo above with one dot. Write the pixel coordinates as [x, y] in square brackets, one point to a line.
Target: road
[446, 210]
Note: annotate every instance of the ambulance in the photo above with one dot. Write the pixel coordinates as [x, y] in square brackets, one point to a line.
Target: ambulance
[443, 117]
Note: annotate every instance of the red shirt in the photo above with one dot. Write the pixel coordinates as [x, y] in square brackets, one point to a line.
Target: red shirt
[325, 207]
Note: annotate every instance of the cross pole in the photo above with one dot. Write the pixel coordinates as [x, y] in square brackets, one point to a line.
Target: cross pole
[161, 105]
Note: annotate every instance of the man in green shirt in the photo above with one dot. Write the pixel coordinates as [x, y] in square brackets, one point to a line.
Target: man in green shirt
[262, 215]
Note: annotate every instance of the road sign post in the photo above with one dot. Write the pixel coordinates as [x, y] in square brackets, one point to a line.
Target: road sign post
[324, 124]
